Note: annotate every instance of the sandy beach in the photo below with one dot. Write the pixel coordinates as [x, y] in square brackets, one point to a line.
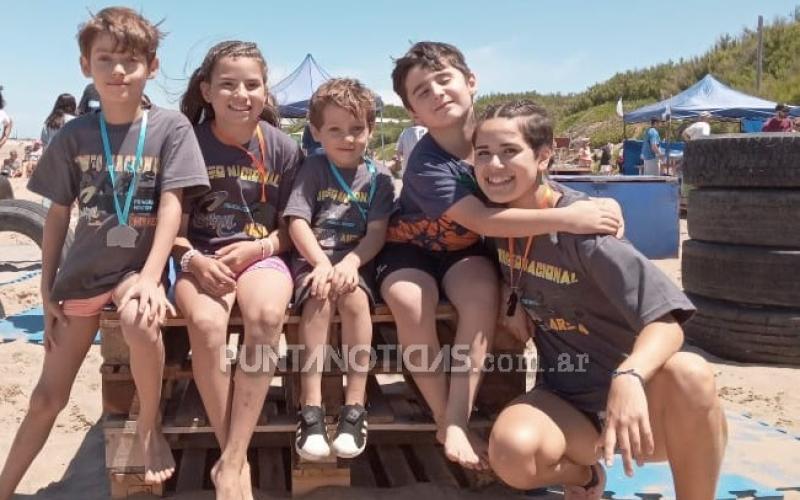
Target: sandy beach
[71, 465]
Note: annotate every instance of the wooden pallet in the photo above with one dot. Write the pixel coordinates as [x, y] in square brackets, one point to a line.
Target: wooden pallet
[272, 471]
[401, 431]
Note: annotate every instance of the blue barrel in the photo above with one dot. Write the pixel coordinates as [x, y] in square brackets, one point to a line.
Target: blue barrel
[649, 205]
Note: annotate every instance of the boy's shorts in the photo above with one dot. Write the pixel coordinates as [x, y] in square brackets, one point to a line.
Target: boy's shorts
[397, 256]
[366, 282]
[86, 308]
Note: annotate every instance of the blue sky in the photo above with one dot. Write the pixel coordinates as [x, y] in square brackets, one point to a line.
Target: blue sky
[512, 45]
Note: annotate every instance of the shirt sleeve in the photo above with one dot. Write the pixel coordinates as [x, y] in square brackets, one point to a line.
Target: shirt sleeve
[436, 184]
[182, 160]
[383, 204]
[633, 284]
[56, 176]
[302, 198]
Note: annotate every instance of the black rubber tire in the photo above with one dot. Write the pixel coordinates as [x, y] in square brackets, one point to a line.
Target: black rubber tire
[748, 334]
[6, 191]
[27, 217]
[743, 160]
[738, 273]
[760, 217]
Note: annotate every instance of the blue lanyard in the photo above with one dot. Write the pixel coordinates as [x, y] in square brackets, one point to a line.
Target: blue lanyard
[353, 198]
[122, 213]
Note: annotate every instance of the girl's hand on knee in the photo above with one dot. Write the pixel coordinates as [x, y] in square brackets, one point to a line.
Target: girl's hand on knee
[53, 313]
[627, 423]
[213, 276]
[237, 256]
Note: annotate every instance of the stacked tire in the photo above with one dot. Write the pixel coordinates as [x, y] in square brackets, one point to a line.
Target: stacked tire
[741, 266]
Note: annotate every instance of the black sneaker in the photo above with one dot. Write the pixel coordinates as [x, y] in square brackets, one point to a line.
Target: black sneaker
[351, 433]
[312, 440]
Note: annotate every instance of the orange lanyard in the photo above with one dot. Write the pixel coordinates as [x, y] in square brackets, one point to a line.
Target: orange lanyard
[513, 298]
[258, 164]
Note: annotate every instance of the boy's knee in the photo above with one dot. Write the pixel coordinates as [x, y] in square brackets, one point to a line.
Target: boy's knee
[135, 328]
[45, 402]
[353, 304]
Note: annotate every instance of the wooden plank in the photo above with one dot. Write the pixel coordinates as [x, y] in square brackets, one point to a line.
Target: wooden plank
[192, 470]
[191, 412]
[379, 409]
[112, 345]
[382, 314]
[361, 474]
[434, 464]
[125, 485]
[117, 396]
[395, 465]
[271, 470]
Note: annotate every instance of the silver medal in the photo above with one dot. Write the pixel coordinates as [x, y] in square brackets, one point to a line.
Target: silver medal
[121, 235]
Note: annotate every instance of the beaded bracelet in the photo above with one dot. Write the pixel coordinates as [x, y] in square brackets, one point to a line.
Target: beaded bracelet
[631, 371]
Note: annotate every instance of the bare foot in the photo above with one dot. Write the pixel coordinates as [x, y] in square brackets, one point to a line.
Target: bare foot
[465, 448]
[159, 465]
[246, 482]
[227, 481]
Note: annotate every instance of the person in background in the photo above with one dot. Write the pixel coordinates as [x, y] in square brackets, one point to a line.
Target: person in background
[64, 110]
[650, 152]
[90, 100]
[605, 158]
[698, 129]
[780, 122]
[5, 121]
[405, 144]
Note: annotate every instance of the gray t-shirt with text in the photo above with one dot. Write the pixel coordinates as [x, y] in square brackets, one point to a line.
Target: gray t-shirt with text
[589, 296]
[73, 168]
[232, 210]
[337, 222]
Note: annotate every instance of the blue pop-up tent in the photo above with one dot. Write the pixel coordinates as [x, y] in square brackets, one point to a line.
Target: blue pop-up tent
[711, 95]
[294, 92]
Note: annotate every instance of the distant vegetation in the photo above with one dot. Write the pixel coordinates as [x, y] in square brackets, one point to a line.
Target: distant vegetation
[732, 60]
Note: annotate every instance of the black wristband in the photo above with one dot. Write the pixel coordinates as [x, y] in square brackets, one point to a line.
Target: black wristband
[631, 371]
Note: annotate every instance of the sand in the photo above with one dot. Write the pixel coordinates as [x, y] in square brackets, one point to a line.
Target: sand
[71, 465]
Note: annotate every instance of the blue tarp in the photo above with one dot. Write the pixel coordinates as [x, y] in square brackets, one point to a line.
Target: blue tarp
[294, 92]
[709, 94]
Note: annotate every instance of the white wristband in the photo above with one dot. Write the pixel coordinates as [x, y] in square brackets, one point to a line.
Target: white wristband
[186, 258]
[264, 253]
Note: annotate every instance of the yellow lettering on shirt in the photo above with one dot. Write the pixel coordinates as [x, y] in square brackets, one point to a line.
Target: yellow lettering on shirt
[537, 269]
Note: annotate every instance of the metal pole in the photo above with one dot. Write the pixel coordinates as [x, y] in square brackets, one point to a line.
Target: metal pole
[760, 53]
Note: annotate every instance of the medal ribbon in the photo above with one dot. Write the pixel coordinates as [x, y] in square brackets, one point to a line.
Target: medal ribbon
[349, 191]
[260, 165]
[122, 213]
[513, 298]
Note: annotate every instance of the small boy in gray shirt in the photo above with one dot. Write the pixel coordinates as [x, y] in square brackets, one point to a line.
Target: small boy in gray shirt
[338, 210]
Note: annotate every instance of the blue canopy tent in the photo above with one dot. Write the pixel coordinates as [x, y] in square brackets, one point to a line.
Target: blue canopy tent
[711, 95]
[293, 93]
